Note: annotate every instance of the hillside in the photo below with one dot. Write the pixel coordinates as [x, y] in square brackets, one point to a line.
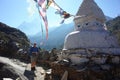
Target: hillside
[11, 39]
[114, 27]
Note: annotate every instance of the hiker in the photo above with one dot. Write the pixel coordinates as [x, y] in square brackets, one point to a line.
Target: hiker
[33, 54]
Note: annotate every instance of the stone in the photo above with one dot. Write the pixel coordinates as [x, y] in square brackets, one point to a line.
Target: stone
[64, 62]
[65, 75]
[116, 60]
[9, 72]
[99, 60]
[105, 67]
[76, 59]
[46, 55]
[92, 72]
[53, 54]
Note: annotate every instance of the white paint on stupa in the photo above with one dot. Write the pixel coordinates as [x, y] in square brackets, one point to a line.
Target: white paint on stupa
[90, 36]
[89, 30]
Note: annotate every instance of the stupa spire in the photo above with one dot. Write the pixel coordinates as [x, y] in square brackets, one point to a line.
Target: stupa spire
[92, 12]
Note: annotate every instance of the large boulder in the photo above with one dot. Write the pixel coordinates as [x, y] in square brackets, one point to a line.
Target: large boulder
[7, 71]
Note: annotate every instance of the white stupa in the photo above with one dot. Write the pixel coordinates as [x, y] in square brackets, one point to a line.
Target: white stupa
[90, 31]
[90, 35]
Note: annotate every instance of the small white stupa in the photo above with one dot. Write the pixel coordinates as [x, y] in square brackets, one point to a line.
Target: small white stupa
[90, 35]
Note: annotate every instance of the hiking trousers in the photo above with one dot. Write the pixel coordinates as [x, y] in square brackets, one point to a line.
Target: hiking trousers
[33, 60]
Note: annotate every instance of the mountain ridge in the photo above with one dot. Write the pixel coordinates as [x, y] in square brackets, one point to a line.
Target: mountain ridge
[53, 32]
[55, 38]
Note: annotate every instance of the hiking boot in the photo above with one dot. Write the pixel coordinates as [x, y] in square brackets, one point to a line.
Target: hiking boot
[33, 69]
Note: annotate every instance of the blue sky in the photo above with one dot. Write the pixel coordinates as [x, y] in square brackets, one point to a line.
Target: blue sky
[15, 12]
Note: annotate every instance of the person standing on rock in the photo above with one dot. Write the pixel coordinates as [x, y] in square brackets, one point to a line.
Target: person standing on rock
[33, 54]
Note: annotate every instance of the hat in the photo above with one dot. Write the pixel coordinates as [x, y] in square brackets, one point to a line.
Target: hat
[34, 43]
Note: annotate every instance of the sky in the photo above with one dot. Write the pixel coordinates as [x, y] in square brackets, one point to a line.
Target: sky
[15, 12]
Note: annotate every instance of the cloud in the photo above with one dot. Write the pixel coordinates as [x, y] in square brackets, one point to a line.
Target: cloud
[31, 7]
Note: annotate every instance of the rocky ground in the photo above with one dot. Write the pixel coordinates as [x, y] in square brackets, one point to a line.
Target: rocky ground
[86, 72]
[50, 68]
[16, 70]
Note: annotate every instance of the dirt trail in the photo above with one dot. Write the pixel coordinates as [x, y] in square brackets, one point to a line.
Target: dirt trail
[24, 70]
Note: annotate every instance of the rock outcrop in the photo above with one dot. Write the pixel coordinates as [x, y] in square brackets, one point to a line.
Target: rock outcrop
[11, 40]
[7, 72]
